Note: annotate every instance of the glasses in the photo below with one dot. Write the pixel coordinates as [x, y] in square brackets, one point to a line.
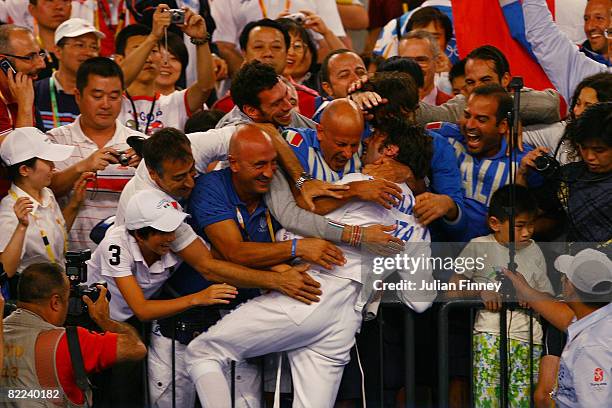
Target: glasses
[30, 57]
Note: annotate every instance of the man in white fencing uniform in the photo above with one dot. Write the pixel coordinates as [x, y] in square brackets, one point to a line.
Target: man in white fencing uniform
[318, 337]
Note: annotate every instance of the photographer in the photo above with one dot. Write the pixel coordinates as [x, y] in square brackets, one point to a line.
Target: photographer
[33, 331]
[35, 228]
[584, 187]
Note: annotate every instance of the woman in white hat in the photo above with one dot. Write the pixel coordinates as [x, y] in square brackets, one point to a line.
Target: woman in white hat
[34, 229]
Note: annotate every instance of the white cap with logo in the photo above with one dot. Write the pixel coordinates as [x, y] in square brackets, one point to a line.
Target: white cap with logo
[75, 27]
[155, 209]
[28, 142]
[589, 271]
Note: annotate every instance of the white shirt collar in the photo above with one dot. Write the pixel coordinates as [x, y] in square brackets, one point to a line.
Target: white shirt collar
[45, 195]
[580, 325]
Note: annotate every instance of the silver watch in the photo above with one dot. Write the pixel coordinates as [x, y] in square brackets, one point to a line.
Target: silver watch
[304, 177]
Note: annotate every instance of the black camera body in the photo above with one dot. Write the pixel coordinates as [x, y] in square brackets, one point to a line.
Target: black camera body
[123, 158]
[177, 16]
[546, 165]
[76, 270]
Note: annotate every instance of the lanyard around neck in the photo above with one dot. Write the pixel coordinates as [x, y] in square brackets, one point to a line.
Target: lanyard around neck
[43, 234]
[264, 10]
[54, 110]
[135, 113]
[243, 226]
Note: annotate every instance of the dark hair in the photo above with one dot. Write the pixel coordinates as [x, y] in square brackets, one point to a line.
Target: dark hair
[500, 202]
[324, 72]
[101, 66]
[252, 78]
[265, 22]
[166, 144]
[295, 28]
[415, 145]
[403, 64]
[126, 33]
[490, 53]
[425, 15]
[399, 89]
[203, 120]
[144, 232]
[595, 123]
[176, 47]
[457, 70]
[503, 98]
[602, 85]
[13, 170]
[39, 281]
[369, 58]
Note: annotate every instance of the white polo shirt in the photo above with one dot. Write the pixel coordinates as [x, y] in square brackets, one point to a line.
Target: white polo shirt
[103, 193]
[232, 15]
[585, 370]
[46, 216]
[159, 112]
[119, 255]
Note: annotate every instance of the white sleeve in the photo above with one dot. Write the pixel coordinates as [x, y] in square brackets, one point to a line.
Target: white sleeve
[222, 11]
[185, 235]
[564, 64]
[544, 135]
[9, 222]
[116, 260]
[418, 300]
[328, 10]
[210, 146]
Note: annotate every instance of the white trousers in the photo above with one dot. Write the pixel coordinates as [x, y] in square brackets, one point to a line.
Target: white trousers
[247, 377]
[316, 337]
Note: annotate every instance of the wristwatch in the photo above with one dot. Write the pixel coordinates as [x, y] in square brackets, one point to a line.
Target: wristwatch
[304, 177]
[200, 41]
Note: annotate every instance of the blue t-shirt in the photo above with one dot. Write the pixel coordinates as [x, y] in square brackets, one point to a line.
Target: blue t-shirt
[480, 177]
[213, 200]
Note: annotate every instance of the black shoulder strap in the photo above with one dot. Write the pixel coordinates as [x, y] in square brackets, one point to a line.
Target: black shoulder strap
[76, 357]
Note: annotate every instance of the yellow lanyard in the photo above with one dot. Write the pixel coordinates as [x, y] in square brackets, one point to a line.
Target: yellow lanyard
[43, 234]
[264, 11]
[268, 221]
[8, 110]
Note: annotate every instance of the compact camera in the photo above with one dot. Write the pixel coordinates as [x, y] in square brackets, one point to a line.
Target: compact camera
[123, 158]
[546, 165]
[177, 16]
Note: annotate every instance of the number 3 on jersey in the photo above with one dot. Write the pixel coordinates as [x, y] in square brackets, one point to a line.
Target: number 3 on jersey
[115, 257]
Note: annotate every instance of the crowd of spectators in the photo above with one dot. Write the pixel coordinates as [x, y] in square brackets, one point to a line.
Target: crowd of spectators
[207, 189]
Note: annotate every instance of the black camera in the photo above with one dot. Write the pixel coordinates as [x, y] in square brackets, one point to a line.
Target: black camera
[546, 165]
[177, 16]
[123, 158]
[76, 270]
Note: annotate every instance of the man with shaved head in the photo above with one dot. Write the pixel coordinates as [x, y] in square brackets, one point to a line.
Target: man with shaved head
[334, 150]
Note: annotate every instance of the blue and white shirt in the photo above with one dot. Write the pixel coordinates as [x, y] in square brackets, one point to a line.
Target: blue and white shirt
[585, 370]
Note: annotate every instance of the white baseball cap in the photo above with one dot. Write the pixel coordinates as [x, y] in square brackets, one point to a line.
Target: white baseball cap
[587, 270]
[28, 142]
[153, 208]
[74, 27]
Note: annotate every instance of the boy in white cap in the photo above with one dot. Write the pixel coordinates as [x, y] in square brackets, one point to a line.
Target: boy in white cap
[76, 40]
[34, 228]
[135, 260]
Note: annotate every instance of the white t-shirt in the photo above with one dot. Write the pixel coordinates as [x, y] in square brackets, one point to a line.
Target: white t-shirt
[531, 264]
[142, 181]
[232, 15]
[549, 136]
[103, 193]
[46, 217]
[210, 146]
[158, 112]
[118, 256]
